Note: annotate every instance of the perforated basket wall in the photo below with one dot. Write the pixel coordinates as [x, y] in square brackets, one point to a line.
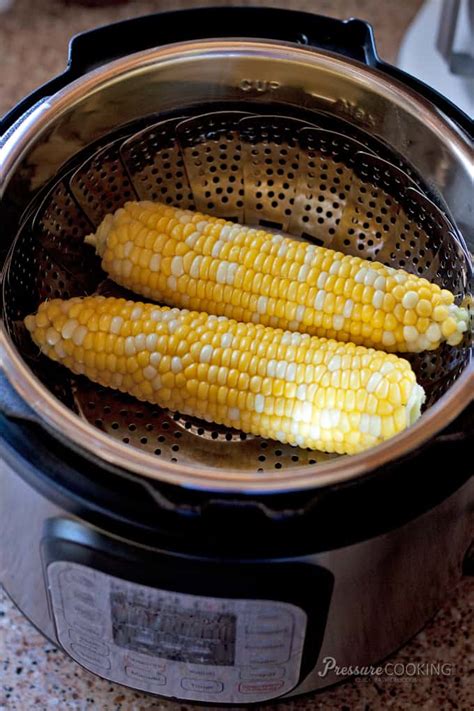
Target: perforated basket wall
[275, 171]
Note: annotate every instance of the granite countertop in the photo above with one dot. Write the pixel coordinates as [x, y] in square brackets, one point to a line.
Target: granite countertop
[36, 675]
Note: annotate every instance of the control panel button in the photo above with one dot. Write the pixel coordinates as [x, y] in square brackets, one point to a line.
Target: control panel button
[262, 673]
[90, 630]
[260, 687]
[208, 686]
[93, 644]
[84, 597]
[201, 671]
[266, 642]
[268, 629]
[270, 620]
[88, 614]
[136, 659]
[277, 655]
[78, 577]
[143, 672]
[81, 652]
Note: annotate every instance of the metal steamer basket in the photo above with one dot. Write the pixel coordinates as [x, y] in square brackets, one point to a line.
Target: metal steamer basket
[334, 148]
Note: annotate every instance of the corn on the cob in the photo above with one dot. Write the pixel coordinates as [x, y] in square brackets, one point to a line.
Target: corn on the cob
[317, 393]
[187, 259]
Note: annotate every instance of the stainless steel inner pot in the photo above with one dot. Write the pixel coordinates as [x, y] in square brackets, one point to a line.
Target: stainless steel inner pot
[300, 140]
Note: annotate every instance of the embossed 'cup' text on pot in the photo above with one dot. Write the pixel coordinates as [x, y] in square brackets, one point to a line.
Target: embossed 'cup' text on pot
[259, 85]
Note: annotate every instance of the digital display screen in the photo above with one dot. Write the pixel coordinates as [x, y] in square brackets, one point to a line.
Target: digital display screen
[144, 624]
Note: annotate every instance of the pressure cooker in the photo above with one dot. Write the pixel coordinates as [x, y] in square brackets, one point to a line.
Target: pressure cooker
[167, 554]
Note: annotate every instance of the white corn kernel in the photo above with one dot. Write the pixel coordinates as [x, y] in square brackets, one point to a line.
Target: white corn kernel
[221, 275]
[195, 267]
[262, 304]
[79, 334]
[176, 364]
[177, 268]
[410, 333]
[205, 354]
[52, 336]
[116, 325]
[155, 359]
[410, 300]
[334, 363]
[151, 341]
[322, 279]
[69, 328]
[129, 347]
[348, 308]
[373, 381]
[155, 263]
[259, 403]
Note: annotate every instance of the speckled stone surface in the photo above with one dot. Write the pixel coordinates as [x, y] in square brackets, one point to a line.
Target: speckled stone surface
[36, 675]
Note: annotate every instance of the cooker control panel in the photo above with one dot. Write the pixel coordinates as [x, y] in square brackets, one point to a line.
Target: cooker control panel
[174, 644]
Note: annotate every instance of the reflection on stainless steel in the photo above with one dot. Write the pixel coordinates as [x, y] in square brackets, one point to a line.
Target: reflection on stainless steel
[182, 77]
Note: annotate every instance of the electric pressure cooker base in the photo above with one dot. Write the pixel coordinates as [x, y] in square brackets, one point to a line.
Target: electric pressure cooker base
[227, 631]
[159, 552]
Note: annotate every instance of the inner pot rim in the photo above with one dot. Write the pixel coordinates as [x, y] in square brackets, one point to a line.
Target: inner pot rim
[68, 426]
[28, 128]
